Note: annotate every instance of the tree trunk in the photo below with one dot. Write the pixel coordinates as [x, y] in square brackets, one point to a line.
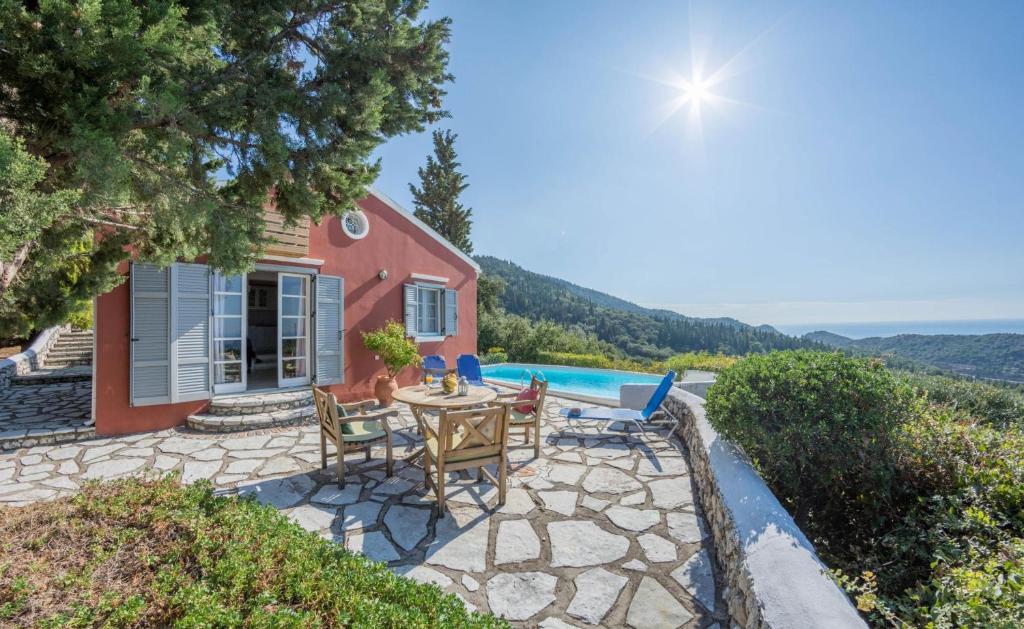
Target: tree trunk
[9, 270]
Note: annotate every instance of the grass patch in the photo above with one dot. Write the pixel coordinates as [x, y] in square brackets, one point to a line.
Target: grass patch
[152, 553]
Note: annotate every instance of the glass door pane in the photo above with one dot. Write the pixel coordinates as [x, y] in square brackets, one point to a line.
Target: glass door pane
[228, 333]
[293, 329]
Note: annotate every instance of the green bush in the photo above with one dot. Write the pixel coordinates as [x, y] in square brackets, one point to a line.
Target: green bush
[574, 360]
[81, 317]
[917, 505]
[815, 424]
[699, 360]
[999, 406]
[155, 554]
[494, 356]
[391, 344]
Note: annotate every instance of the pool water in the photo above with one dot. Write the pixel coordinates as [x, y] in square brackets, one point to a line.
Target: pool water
[603, 383]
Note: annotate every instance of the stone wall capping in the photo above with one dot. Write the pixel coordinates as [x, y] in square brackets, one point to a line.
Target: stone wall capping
[773, 577]
[32, 358]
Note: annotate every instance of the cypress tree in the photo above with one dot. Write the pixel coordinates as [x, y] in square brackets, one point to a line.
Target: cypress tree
[437, 199]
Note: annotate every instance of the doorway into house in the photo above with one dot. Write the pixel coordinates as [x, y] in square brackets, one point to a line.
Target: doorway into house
[261, 331]
[277, 330]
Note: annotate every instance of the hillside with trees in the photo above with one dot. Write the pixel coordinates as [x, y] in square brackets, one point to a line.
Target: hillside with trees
[637, 332]
[997, 356]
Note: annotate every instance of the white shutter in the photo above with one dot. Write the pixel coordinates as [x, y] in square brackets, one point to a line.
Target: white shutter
[451, 312]
[409, 293]
[330, 319]
[150, 335]
[190, 326]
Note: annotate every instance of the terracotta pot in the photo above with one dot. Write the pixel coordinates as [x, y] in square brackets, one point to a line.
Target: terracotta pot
[384, 390]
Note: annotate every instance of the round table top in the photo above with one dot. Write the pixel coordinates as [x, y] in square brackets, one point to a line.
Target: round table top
[435, 397]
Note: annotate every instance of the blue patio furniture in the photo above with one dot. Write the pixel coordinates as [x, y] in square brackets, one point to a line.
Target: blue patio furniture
[639, 418]
[469, 368]
[435, 366]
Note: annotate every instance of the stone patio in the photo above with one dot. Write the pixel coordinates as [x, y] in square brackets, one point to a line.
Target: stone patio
[46, 406]
[602, 529]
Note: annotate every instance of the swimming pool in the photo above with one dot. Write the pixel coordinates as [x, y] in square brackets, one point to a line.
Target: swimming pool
[601, 383]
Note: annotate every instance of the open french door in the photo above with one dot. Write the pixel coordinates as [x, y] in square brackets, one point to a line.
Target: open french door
[229, 327]
[293, 367]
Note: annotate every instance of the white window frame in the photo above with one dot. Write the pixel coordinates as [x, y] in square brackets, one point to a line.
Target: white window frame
[439, 312]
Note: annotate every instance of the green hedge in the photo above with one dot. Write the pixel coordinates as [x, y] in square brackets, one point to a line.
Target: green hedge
[574, 360]
[919, 506]
[143, 554]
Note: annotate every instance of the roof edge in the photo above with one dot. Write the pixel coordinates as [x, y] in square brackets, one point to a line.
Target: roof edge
[388, 201]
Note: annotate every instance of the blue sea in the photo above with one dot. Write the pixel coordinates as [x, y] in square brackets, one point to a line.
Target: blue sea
[892, 328]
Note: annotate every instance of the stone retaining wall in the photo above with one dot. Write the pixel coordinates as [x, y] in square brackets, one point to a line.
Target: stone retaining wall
[32, 358]
[773, 577]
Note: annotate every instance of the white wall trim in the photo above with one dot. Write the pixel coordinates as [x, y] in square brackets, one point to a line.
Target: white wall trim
[313, 261]
[391, 203]
[430, 278]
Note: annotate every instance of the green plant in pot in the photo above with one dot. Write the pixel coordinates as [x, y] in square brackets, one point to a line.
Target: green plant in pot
[397, 351]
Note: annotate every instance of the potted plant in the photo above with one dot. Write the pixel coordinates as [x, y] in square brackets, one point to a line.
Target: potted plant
[397, 351]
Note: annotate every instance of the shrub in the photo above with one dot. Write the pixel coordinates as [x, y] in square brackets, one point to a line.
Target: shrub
[81, 317]
[999, 406]
[816, 425]
[391, 344]
[699, 360]
[573, 360]
[918, 506]
[155, 554]
[494, 356]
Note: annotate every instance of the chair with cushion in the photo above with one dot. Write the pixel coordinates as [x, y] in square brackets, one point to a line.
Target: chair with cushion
[526, 408]
[466, 439]
[469, 368]
[352, 427]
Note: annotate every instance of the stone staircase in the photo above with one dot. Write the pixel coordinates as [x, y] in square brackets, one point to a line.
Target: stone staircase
[255, 411]
[73, 349]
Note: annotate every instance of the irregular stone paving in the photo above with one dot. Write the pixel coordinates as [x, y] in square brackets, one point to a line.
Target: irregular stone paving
[603, 529]
[32, 414]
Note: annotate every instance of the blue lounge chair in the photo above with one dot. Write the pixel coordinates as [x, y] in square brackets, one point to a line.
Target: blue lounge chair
[469, 368]
[639, 418]
[435, 366]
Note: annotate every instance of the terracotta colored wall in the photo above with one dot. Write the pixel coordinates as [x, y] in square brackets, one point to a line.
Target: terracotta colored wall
[394, 244]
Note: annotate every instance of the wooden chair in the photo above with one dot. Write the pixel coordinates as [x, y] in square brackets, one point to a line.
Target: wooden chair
[467, 439]
[530, 419]
[351, 427]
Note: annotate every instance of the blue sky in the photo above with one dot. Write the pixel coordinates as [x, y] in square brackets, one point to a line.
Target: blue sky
[858, 161]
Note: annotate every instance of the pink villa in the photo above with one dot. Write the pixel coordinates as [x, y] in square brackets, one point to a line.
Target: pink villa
[171, 342]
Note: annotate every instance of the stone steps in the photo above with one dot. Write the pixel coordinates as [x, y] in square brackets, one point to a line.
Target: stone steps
[68, 362]
[12, 438]
[53, 376]
[252, 404]
[72, 349]
[208, 422]
[68, 354]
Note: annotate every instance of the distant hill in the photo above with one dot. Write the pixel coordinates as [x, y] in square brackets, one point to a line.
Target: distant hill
[998, 356]
[828, 338]
[636, 331]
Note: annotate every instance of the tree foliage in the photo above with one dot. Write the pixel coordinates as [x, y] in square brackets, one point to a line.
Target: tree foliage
[632, 331]
[394, 348]
[161, 128]
[437, 199]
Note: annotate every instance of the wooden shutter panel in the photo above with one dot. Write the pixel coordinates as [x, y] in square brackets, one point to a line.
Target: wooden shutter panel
[451, 312]
[410, 309]
[330, 319]
[150, 335]
[190, 325]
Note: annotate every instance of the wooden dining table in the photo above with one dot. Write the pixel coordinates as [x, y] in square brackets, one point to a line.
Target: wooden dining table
[422, 397]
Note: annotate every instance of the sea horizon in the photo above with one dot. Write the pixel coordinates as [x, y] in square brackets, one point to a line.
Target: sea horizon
[861, 329]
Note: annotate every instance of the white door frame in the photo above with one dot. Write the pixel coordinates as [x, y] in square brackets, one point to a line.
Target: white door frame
[282, 381]
[232, 387]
